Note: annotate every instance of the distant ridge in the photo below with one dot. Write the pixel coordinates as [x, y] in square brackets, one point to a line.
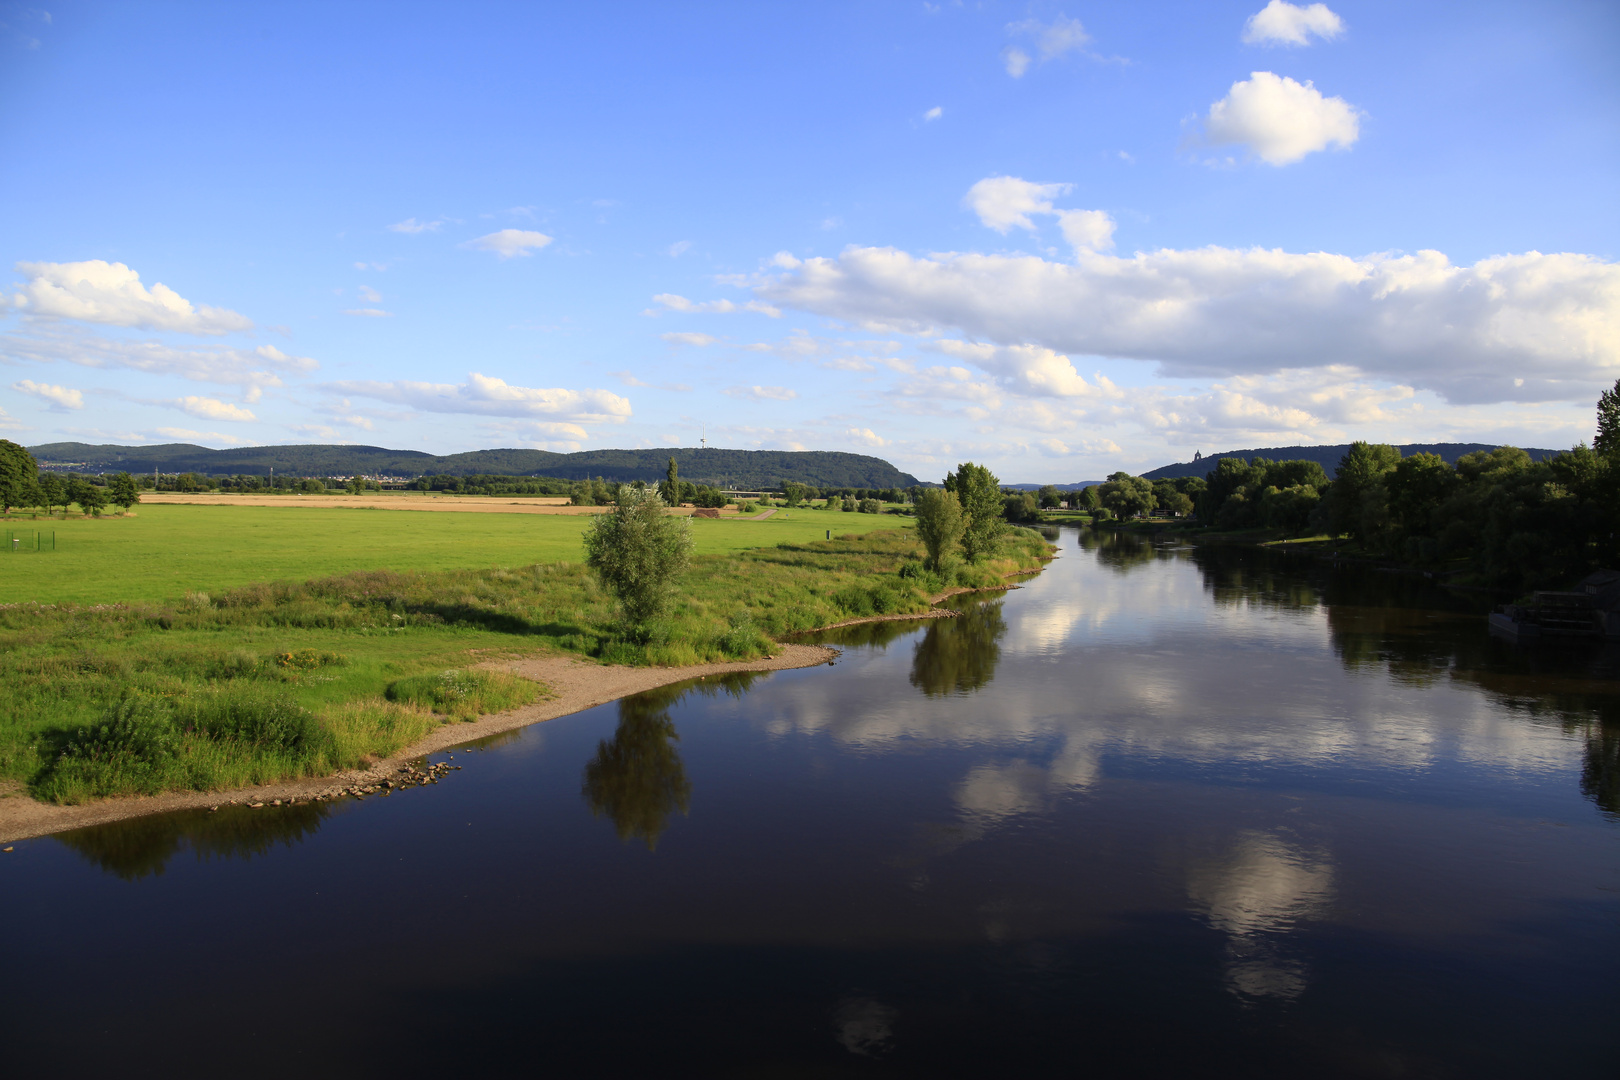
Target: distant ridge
[703, 465]
[1327, 456]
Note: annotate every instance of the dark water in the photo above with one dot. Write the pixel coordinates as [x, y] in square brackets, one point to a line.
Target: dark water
[1161, 812]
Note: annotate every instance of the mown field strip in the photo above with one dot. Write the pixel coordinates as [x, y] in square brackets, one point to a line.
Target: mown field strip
[164, 551]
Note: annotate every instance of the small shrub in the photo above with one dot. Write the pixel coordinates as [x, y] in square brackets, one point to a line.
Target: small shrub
[134, 726]
[308, 659]
[236, 664]
[372, 727]
[463, 694]
[743, 639]
[253, 716]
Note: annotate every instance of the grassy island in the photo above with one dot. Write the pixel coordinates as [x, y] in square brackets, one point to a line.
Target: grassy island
[139, 686]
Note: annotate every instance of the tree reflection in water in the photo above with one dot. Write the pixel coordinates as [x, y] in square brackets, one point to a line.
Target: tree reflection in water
[1120, 551]
[637, 778]
[142, 847]
[959, 656]
[1421, 634]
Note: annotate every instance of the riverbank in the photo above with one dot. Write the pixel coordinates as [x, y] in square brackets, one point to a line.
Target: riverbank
[295, 683]
[574, 685]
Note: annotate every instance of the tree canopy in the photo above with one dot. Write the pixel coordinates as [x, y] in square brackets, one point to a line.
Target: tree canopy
[638, 550]
[939, 525]
[979, 492]
[17, 472]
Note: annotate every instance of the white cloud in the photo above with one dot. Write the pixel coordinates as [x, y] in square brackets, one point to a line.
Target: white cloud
[369, 313]
[369, 294]
[1281, 23]
[508, 243]
[629, 379]
[411, 225]
[205, 408]
[1280, 120]
[835, 354]
[762, 393]
[488, 396]
[690, 337]
[188, 435]
[1028, 369]
[1016, 60]
[1087, 230]
[865, 437]
[679, 248]
[9, 423]
[60, 396]
[1002, 202]
[1467, 333]
[1052, 40]
[673, 302]
[111, 293]
[539, 434]
[933, 114]
[254, 367]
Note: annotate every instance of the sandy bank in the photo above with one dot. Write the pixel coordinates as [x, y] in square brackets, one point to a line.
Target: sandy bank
[576, 685]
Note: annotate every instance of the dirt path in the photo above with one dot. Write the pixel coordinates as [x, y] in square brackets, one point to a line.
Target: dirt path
[575, 684]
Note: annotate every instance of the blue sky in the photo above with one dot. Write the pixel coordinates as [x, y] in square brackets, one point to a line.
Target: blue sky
[1060, 239]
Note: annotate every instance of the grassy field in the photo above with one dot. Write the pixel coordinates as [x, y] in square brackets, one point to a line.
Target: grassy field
[248, 653]
[163, 552]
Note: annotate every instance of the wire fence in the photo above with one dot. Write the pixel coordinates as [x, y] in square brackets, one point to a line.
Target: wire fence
[32, 541]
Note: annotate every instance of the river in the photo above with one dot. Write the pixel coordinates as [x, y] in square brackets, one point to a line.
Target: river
[1161, 810]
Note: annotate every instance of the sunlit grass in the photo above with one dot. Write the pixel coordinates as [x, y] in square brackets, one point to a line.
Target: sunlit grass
[376, 659]
[164, 551]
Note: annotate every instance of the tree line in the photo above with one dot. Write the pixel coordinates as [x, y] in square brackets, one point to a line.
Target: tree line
[22, 485]
[1515, 521]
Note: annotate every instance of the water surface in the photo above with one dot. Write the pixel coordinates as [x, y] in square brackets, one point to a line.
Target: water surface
[1160, 809]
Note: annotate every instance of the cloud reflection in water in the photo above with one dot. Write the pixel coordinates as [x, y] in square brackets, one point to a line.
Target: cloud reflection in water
[1262, 889]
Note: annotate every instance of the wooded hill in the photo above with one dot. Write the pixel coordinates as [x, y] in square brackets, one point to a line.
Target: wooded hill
[1326, 456]
[745, 469]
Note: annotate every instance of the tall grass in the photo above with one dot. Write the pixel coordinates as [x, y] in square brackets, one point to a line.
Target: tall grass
[286, 679]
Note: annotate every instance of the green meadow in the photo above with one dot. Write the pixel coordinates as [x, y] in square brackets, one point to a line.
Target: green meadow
[206, 648]
[163, 552]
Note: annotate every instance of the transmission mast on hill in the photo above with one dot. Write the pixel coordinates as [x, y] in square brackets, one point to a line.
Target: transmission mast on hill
[703, 437]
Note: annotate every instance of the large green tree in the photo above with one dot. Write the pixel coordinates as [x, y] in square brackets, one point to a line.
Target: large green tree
[670, 489]
[979, 492]
[1359, 502]
[1417, 486]
[18, 471]
[638, 550]
[121, 490]
[53, 492]
[1127, 495]
[1607, 441]
[90, 498]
